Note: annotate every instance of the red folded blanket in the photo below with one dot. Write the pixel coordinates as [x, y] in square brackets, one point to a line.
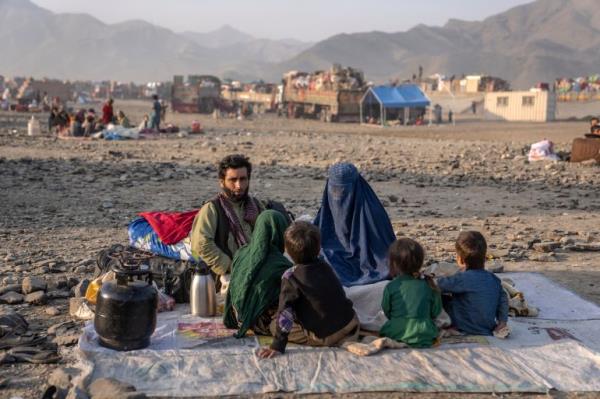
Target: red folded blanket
[171, 227]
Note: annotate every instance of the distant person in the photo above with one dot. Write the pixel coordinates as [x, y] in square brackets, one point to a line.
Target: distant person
[437, 111]
[474, 107]
[450, 116]
[594, 125]
[144, 124]
[89, 126]
[45, 102]
[58, 120]
[108, 115]
[33, 106]
[163, 110]
[77, 121]
[123, 120]
[6, 95]
[156, 112]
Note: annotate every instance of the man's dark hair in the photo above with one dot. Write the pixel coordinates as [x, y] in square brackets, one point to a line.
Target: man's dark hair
[594, 118]
[234, 161]
[472, 248]
[155, 96]
[303, 242]
[406, 257]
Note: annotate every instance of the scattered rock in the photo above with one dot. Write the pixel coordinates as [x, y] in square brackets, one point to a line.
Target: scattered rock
[57, 268]
[52, 311]
[79, 270]
[584, 247]
[546, 247]
[109, 388]
[11, 288]
[72, 282]
[567, 241]
[550, 257]
[62, 294]
[494, 267]
[10, 280]
[33, 284]
[66, 340]
[12, 298]
[61, 378]
[36, 298]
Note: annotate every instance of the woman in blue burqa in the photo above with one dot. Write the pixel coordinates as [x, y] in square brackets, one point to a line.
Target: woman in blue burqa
[356, 231]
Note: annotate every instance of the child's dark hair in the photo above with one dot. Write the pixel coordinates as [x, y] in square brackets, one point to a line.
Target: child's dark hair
[234, 161]
[472, 248]
[406, 257]
[303, 242]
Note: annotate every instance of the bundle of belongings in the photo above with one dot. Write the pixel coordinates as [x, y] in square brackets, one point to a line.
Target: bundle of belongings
[171, 278]
[169, 128]
[543, 151]
[336, 78]
[117, 132]
[586, 149]
[163, 233]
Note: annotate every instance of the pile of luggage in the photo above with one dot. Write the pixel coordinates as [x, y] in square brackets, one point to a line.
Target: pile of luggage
[336, 78]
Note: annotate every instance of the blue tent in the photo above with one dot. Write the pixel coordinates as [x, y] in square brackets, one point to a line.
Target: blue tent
[405, 96]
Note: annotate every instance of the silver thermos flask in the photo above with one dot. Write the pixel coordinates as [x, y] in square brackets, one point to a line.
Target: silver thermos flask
[203, 296]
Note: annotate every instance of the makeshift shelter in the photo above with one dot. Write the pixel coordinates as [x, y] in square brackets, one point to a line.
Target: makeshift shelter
[405, 103]
[521, 106]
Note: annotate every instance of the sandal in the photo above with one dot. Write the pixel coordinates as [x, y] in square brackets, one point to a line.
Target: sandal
[25, 354]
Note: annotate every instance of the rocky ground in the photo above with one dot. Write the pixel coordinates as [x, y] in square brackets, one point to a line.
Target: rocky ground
[63, 201]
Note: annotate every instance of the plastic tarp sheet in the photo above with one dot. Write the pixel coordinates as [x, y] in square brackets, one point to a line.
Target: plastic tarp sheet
[403, 96]
[189, 356]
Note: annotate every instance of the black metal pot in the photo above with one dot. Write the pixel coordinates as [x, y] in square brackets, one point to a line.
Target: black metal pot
[126, 309]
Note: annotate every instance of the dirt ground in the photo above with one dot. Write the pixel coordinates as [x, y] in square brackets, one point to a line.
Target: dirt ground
[63, 201]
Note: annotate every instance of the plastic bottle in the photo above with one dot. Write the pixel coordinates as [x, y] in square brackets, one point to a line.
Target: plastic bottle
[203, 296]
[33, 127]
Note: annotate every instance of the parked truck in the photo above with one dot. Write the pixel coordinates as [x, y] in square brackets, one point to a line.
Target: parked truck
[261, 97]
[197, 94]
[331, 96]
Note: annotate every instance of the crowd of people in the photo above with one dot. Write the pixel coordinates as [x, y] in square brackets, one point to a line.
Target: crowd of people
[286, 279]
[85, 122]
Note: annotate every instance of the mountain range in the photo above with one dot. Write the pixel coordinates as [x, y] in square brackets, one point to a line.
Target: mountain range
[538, 41]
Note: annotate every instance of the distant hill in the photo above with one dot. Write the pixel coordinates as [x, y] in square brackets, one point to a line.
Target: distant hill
[222, 37]
[535, 42]
[37, 42]
[539, 41]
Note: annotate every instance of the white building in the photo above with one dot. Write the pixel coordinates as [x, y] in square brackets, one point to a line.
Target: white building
[521, 106]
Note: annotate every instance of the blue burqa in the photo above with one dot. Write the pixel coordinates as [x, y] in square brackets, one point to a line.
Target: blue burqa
[356, 231]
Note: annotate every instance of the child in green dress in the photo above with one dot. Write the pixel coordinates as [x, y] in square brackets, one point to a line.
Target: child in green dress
[410, 302]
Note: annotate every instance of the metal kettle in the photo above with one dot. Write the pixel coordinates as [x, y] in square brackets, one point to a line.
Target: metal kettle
[203, 295]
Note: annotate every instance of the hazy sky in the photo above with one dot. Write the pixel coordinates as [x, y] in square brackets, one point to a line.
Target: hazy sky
[308, 20]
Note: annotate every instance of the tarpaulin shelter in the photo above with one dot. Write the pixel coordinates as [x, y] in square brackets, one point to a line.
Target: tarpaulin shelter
[403, 97]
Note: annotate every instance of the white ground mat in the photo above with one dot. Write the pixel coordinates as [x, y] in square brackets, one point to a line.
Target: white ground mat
[193, 357]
